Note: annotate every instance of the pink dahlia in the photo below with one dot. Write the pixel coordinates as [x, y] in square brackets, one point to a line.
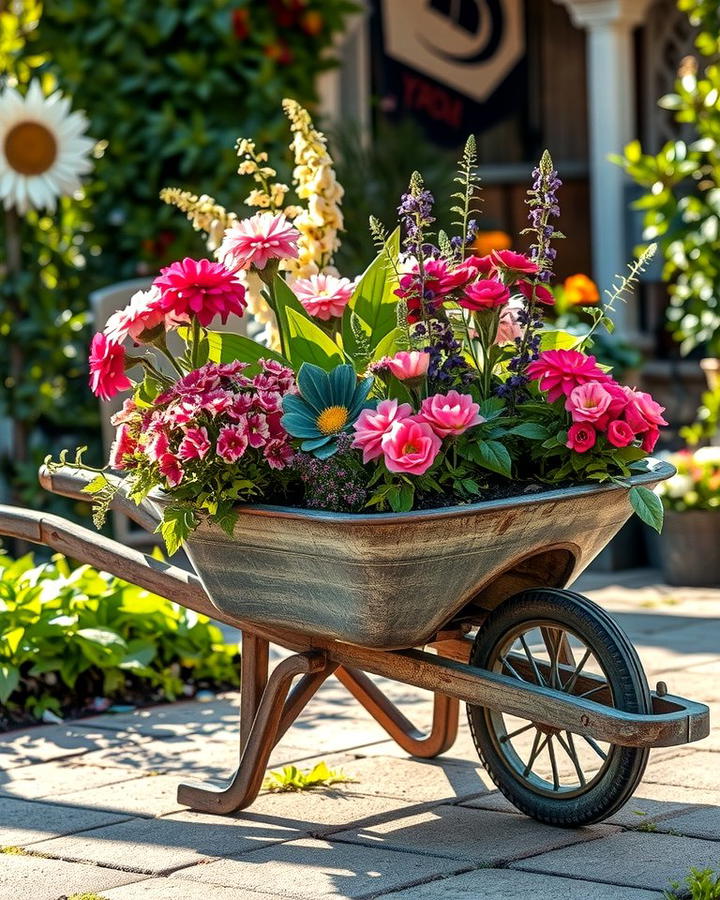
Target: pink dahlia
[232, 443]
[514, 262]
[485, 294]
[581, 437]
[542, 294]
[588, 402]
[372, 424]
[195, 444]
[254, 241]
[559, 371]
[410, 447]
[139, 319]
[450, 414]
[409, 364]
[107, 368]
[323, 296]
[201, 289]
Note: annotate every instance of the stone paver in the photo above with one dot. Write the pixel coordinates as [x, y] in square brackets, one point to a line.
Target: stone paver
[46, 742]
[147, 795]
[23, 823]
[704, 773]
[475, 835]
[505, 884]
[54, 779]
[631, 859]
[175, 889]
[156, 846]
[34, 878]
[310, 868]
[698, 823]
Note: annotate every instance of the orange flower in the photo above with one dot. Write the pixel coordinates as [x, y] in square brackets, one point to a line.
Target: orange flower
[486, 241]
[580, 291]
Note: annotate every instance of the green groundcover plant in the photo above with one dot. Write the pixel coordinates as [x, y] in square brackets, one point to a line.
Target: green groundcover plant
[69, 636]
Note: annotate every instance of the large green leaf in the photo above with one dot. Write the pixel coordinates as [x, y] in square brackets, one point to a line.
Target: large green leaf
[390, 344]
[309, 343]
[286, 300]
[648, 506]
[9, 680]
[559, 340]
[225, 347]
[494, 456]
[373, 299]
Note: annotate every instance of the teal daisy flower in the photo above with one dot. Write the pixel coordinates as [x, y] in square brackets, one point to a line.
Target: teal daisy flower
[327, 405]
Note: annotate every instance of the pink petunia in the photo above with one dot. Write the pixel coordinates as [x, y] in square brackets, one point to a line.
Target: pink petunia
[323, 296]
[157, 446]
[487, 294]
[410, 447]
[256, 429]
[542, 294]
[171, 469]
[199, 289]
[514, 262]
[450, 414]
[255, 241]
[107, 368]
[437, 281]
[232, 443]
[139, 320]
[559, 371]
[581, 437]
[195, 444]
[409, 364]
[216, 401]
[372, 424]
[278, 454]
[123, 446]
[588, 402]
[128, 412]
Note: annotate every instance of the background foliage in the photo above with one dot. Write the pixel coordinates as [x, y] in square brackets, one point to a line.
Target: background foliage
[68, 636]
[681, 202]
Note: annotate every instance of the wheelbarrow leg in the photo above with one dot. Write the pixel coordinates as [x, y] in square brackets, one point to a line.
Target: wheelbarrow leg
[444, 723]
[253, 679]
[261, 738]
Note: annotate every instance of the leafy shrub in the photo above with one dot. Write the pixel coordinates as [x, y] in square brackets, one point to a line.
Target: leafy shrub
[700, 884]
[70, 635]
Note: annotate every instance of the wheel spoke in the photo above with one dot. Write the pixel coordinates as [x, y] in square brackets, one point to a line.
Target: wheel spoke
[569, 748]
[505, 662]
[508, 737]
[600, 752]
[537, 749]
[531, 659]
[601, 687]
[570, 683]
[553, 764]
[552, 637]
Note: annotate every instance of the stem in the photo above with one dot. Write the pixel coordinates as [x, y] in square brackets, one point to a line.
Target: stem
[168, 355]
[156, 373]
[195, 349]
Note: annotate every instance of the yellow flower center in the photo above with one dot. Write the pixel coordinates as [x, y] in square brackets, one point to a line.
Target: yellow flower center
[408, 449]
[30, 148]
[332, 419]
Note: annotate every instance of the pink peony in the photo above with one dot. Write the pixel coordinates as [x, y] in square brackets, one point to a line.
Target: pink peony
[509, 327]
[410, 447]
[232, 443]
[372, 424]
[542, 293]
[138, 319]
[559, 371]
[171, 469]
[124, 445]
[195, 444]
[485, 294]
[581, 437]
[620, 434]
[475, 266]
[254, 241]
[588, 402]
[199, 289]
[642, 413]
[514, 262]
[450, 414]
[107, 368]
[323, 296]
[407, 365]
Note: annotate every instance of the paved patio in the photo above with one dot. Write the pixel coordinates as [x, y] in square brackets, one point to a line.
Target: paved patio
[91, 805]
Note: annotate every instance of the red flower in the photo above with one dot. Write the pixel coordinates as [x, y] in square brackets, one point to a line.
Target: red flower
[485, 294]
[581, 438]
[559, 371]
[620, 434]
[515, 262]
[542, 294]
[201, 289]
[107, 368]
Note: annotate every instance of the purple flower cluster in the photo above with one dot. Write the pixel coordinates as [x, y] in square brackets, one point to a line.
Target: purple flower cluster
[338, 484]
[472, 229]
[447, 365]
[415, 213]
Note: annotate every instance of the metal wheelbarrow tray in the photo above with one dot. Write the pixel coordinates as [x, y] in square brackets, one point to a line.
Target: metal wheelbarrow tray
[549, 678]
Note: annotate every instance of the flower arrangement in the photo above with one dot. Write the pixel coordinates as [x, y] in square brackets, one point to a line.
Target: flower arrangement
[430, 380]
[696, 485]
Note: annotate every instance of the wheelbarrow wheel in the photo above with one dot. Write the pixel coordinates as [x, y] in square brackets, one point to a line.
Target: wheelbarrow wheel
[562, 640]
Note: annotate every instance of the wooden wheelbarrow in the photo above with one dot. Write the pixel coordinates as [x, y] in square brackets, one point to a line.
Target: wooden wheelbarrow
[557, 700]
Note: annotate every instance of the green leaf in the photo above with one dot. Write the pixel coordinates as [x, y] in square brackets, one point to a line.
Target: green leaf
[224, 348]
[530, 430]
[9, 680]
[177, 525]
[491, 408]
[99, 483]
[286, 300]
[390, 344]
[373, 299]
[12, 639]
[494, 456]
[558, 340]
[306, 342]
[648, 506]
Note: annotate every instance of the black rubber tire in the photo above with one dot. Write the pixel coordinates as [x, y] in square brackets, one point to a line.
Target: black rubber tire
[625, 766]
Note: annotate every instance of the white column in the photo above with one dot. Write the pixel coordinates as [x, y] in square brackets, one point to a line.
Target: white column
[611, 108]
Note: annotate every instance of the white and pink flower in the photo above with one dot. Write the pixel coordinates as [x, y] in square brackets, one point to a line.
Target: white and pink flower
[450, 414]
[410, 447]
[323, 296]
[257, 240]
[373, 424]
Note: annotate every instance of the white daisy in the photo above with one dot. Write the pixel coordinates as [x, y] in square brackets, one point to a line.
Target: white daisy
[43, 149]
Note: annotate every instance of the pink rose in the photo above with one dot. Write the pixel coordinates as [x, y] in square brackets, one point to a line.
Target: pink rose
[372, 424]
[559, 371]
[486, 294]
[650, 439]
[515, 262]
[581, 438]
[450, 413]
[642, 412]
[410, 447]
[620, 434]
[171, 469]
[588, 402]
[409, 364]
[195, 444]
[542, 293]
[232, 443]
[107, 368]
